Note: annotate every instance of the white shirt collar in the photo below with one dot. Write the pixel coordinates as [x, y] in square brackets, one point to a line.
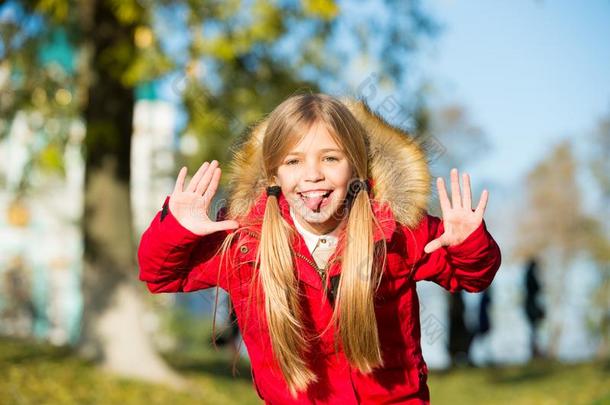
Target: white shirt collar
[311, 239]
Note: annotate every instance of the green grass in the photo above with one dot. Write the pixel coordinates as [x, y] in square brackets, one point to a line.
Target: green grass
[540, 382]
[33, 373]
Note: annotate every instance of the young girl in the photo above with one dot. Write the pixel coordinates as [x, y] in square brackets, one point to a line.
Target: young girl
[320, 246]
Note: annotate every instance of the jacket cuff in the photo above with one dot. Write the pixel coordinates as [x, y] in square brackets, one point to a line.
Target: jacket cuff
[472, 245]
[173, 232]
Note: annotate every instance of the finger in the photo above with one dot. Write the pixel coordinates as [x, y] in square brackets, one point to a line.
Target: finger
[467, 198]
[442, 195]
[224, 225]
[179, 186]
[206, 178]
[456, 199]
[482, 203]
[197, 177]
[211, 191]
[432, 246]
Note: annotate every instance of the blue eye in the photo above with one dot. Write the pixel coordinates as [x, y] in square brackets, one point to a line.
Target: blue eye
[292, 162]
[332, 158]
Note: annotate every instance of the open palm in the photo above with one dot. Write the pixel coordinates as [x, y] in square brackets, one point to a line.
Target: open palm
[190, 206]
[459, 220]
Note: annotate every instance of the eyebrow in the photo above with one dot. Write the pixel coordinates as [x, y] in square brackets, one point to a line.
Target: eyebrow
[321, 150]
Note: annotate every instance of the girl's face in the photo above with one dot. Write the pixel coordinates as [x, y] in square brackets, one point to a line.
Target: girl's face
[314, 178]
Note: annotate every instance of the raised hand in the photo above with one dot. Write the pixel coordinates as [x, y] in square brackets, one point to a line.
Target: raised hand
[459, 220]
[190, 207]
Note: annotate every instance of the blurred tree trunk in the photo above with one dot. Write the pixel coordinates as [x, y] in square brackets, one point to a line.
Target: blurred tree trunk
[600, 232]
[112, 329]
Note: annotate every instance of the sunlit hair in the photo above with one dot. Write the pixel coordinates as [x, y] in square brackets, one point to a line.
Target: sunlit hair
[354, 314]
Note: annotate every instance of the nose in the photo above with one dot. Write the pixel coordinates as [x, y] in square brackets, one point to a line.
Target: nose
[313, 172]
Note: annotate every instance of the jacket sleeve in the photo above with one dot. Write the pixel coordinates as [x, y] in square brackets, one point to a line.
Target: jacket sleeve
[173, 259]
[470, 265]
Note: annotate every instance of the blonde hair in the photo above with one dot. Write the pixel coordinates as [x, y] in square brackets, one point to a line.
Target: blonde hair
[354, 312]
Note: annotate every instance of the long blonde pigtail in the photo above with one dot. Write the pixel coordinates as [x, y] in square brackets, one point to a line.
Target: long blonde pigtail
[282, 306]
[354, 311]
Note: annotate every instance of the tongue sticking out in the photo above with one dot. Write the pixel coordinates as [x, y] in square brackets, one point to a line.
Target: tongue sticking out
[313, 203]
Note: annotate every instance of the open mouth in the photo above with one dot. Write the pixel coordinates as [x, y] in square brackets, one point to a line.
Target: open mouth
[315, 200]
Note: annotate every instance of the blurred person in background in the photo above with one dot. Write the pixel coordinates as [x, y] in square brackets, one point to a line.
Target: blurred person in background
[534, 309]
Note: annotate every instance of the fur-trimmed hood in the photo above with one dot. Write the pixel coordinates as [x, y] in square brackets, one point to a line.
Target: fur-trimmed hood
[398, 169]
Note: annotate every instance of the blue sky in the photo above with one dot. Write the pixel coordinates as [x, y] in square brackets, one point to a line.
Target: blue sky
[529, 73]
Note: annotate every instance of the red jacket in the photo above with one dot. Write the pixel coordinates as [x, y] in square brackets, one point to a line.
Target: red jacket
[173, 259]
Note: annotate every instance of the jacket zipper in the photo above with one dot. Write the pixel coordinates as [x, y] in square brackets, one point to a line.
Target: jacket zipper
[321, 272]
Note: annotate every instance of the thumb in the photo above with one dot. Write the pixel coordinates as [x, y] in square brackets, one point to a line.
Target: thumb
[433, 245]
[225, 225]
